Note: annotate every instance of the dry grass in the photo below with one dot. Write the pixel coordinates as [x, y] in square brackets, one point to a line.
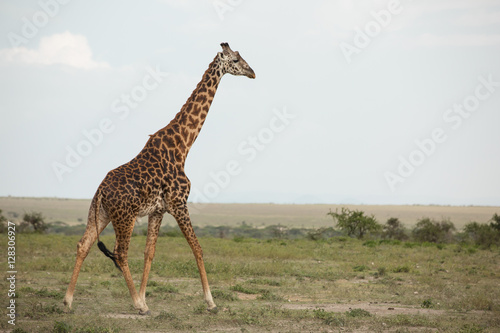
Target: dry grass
[274, 286]
[74, 211]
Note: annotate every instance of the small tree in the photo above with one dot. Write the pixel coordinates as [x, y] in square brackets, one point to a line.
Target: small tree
[320, 234]
[354, 222]
[495, 222]
[393, 229]
[279, 231]
[428, 230]
[3, 224]
[482, 235]
[34, 220]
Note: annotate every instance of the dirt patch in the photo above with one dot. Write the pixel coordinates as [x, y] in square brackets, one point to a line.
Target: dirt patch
[246, 297]
[126, 316]
[381, 309]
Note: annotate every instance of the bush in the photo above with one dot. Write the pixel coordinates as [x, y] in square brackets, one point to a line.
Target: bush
[482, 235]
[320, 234]
[33, 222]
[401, 269]
[358, 313]
[354, 222]
[393, 229]
[3, 223]
[428, 230]
[61, 327]
[495, 222]
[427, 304]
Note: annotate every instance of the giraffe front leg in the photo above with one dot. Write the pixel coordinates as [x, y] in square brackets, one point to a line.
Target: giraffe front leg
[181, 215]
[204, 281]
[154, 223]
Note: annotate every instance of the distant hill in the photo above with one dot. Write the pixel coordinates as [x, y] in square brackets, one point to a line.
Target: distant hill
[74, 211]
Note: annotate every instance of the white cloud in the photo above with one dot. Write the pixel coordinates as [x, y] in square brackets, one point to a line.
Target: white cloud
[61, 49]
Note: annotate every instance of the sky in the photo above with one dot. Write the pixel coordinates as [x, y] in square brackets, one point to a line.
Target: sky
[354, 102]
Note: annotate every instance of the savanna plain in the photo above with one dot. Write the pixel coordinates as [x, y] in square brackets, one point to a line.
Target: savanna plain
[322, 282]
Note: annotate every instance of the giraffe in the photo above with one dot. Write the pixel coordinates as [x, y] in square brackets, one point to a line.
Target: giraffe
[154, 183]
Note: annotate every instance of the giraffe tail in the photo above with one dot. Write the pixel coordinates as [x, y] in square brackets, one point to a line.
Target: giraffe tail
[100, 244]
[108, 253]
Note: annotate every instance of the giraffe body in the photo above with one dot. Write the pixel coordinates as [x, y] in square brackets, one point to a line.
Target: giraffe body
[154, 183]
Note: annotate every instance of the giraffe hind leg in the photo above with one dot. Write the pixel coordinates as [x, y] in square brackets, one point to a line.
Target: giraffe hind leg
[123, 236]
[83, 248]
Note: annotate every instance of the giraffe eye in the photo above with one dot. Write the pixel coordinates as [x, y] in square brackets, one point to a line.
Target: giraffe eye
[235, 60]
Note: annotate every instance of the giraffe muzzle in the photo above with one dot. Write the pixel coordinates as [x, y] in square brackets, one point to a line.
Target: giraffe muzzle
[250, 74]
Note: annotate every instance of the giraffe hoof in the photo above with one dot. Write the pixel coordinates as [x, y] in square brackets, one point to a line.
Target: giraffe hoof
[67, 301]
[213, 310]
[145, 313]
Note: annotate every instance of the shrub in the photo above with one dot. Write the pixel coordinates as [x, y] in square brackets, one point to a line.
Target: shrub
[166, 316]
[354, 222]
[3, 223]
[239, 288]
[279, 231]
[495, 222]
[471, 328]
[393, 229]
[225, 295]
[482, 235]
[381, 271]
[269, 296]
[61, 327]
[428, 230]
[358, 313]
[360, 268]
[168, 231]
[329, 318]
[370, 243]
[427, 304]
[320, 234]
[238, 239]
[166, 289]
[401, 269]
[33, 221]
[18, 330]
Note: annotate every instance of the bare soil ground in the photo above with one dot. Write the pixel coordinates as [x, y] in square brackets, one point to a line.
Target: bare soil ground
[375, 308]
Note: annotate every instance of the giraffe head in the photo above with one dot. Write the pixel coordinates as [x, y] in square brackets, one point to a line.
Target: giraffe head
[233, 63]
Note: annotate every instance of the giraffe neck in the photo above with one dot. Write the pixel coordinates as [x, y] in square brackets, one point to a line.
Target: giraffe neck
[188, 122]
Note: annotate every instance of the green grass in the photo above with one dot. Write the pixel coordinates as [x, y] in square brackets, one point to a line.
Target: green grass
[260, 285]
